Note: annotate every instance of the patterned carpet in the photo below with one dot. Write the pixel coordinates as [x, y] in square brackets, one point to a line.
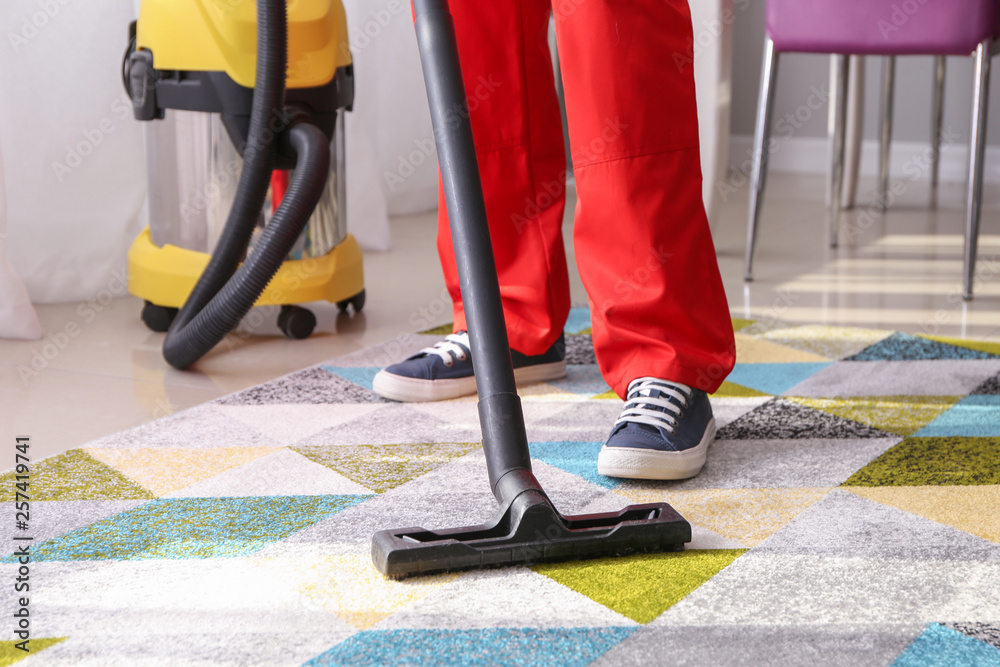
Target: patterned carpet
[849, 514]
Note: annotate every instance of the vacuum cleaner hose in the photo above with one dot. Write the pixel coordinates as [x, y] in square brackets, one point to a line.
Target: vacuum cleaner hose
[186, 344]
[223, 295]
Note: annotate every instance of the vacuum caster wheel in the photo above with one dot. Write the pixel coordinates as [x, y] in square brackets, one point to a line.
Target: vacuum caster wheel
[296, 322]
[357, 301]
[158, 318]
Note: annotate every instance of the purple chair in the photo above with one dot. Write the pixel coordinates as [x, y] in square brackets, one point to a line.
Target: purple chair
[887, 28]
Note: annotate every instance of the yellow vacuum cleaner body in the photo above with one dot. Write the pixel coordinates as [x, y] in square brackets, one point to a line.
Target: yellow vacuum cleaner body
[190, 69]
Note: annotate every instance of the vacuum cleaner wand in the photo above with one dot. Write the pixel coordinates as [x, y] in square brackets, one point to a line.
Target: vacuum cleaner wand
[529, 529]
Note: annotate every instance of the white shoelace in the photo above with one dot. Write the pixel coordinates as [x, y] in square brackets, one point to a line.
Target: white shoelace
[648, 403]
[454, 346]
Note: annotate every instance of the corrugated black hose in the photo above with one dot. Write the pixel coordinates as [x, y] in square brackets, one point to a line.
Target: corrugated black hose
[223, 294]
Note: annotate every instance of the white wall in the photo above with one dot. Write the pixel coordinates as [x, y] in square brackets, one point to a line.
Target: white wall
[799, 73]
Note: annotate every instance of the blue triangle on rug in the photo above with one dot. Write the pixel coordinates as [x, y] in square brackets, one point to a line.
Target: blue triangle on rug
[578, 320]
[939, 645]
[170, 528]
[363, 376]
[907, 347]
[577, 458]
[487, 646]
[973, 416]
[774, 378]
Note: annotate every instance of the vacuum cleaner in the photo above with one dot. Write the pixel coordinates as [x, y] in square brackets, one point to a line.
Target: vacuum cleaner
[294, 132]
[528, 527]
[247, 166]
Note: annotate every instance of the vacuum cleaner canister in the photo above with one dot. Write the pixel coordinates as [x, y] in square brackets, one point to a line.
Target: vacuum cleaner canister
[197, 61]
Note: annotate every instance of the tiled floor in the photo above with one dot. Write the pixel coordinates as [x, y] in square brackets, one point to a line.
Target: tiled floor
[900, 272]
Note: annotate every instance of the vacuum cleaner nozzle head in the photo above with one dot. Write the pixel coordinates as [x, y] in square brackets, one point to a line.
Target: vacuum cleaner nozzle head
[530, 530]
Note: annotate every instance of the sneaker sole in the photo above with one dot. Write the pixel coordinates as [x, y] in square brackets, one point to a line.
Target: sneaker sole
[413, 390]
[635, 463]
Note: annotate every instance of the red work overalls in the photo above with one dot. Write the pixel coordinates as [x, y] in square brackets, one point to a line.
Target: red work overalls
[642, 240]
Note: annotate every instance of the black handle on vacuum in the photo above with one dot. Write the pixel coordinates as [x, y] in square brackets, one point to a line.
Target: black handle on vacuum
[504, 439]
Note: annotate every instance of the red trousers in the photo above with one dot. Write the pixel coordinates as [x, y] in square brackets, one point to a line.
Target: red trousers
[642, 240]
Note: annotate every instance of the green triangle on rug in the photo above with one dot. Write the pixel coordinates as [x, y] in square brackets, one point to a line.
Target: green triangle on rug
[609, 394]
[383, 467]
[578, 321]
[732, 390]
[10, 654]
[643, 586]
[442, 330]
[76, 475]
[902, 415]
[961, 461]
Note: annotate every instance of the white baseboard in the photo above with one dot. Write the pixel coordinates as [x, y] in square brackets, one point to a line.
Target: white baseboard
[908, 159]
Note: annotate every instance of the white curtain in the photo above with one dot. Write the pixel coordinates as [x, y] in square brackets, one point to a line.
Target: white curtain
[17, 317]
[74, 159]
[391, 104]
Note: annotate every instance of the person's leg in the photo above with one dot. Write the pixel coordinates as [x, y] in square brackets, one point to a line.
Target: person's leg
[661, 327]
[515, 119]
[642, 240]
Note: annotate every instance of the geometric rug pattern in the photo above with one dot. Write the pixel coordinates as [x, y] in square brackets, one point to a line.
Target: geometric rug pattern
[848, 514]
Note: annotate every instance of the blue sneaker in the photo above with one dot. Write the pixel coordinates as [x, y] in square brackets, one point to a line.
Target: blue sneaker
[663, 432]
[445, 371]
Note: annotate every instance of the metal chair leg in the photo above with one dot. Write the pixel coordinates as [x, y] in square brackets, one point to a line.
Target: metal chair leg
[854, 133]
[937, 116]
[762, 135]
[838, 98]
[885, 134]
[977, 148]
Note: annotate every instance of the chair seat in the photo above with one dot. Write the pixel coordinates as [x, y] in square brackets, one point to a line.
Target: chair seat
[881, 27]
